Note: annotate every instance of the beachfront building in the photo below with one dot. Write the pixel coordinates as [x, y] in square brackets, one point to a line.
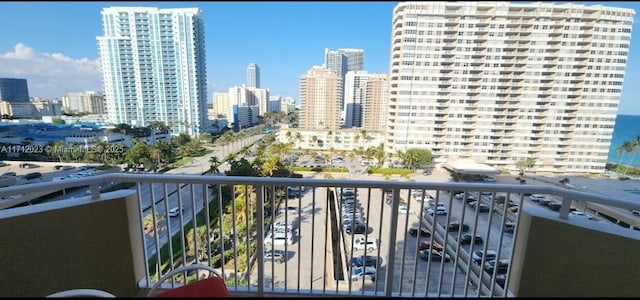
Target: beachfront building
[499, 82]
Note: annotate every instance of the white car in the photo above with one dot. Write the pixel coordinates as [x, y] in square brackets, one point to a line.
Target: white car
[282, 224]
[278, 239]
[477, 255]
[289, 210]
[174, 212]
[368, 244]
[274, 255]
[440, 210]
[537, 197]
[579, 214]
[363, 272]
[489, 179]
[403, 209]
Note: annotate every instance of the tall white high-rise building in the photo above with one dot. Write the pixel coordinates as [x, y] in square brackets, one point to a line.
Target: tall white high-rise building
[498, 82]
[320, 94]
[154, 68]
[343, 61]
[253, 76]
[355, 83]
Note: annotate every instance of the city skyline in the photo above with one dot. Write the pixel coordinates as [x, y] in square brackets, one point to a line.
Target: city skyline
[292, 37]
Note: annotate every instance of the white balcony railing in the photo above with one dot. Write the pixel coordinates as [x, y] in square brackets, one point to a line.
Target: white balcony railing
[315, 261]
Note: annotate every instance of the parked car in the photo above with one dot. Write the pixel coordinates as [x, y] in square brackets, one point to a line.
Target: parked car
[283, 224]
[440, 210]
[455, 226]
[9, 174]
[363, 272]
[28, 166]
[537, 197]
[3, 164]
[434, 255]
[33, 175]
[351, 222]
[479, 254]
[509, 227]
[274, 255]
[579, 214]
[278, 238]
[423, 232]
[553, 205]
[489, 179]
[404, 208]
[369, 244]
[502, 266]
[175, 211]
[544, 202]
[364, 261]
[428, 245]
[468, 239]
[288, 210]
[358, 228]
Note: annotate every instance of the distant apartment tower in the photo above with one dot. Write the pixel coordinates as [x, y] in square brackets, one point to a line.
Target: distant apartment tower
[253, 76]
[275, 104]
[14, 90]
[354, 92]
[320, 94]
[243, 96]
[221, 104]
[154, 68]
[90, 102]
[342, 61]
[374, 103]
[499, 82]
[287, 105]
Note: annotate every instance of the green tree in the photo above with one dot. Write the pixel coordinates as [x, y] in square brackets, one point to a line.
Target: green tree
[140, 153]
[182, 139]
[525, 164]
[214, 165]
[626, 147]
[199, 237]
[58, 121]
[415, 158]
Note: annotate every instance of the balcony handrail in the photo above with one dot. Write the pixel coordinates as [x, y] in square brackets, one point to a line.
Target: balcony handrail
[311, 182]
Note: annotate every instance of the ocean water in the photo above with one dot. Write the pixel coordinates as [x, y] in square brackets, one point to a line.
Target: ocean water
[627, 128]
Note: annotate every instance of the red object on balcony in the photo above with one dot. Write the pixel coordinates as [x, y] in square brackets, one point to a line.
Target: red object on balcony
[212, 286]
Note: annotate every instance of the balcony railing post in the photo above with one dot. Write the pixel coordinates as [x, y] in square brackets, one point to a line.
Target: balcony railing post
[260, 238]
[95, 191]
[565, 208]
[395, 204]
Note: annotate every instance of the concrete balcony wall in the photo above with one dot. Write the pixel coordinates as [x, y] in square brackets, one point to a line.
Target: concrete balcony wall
[554, 257]
[78, 243]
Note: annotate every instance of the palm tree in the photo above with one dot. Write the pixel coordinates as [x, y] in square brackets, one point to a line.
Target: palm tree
[270, 166]
[215, 163]
[636, 148]
[149, 225]
[626, 147]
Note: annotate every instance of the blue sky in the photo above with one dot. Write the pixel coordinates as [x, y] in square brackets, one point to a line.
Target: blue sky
[53, 44]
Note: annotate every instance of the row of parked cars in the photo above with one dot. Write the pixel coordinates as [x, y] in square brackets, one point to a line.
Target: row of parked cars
[362, 267]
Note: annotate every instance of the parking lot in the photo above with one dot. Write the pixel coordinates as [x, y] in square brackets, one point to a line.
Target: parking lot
[305, 264]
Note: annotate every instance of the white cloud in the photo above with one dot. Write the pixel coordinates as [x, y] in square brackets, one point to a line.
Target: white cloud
[51, 75]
